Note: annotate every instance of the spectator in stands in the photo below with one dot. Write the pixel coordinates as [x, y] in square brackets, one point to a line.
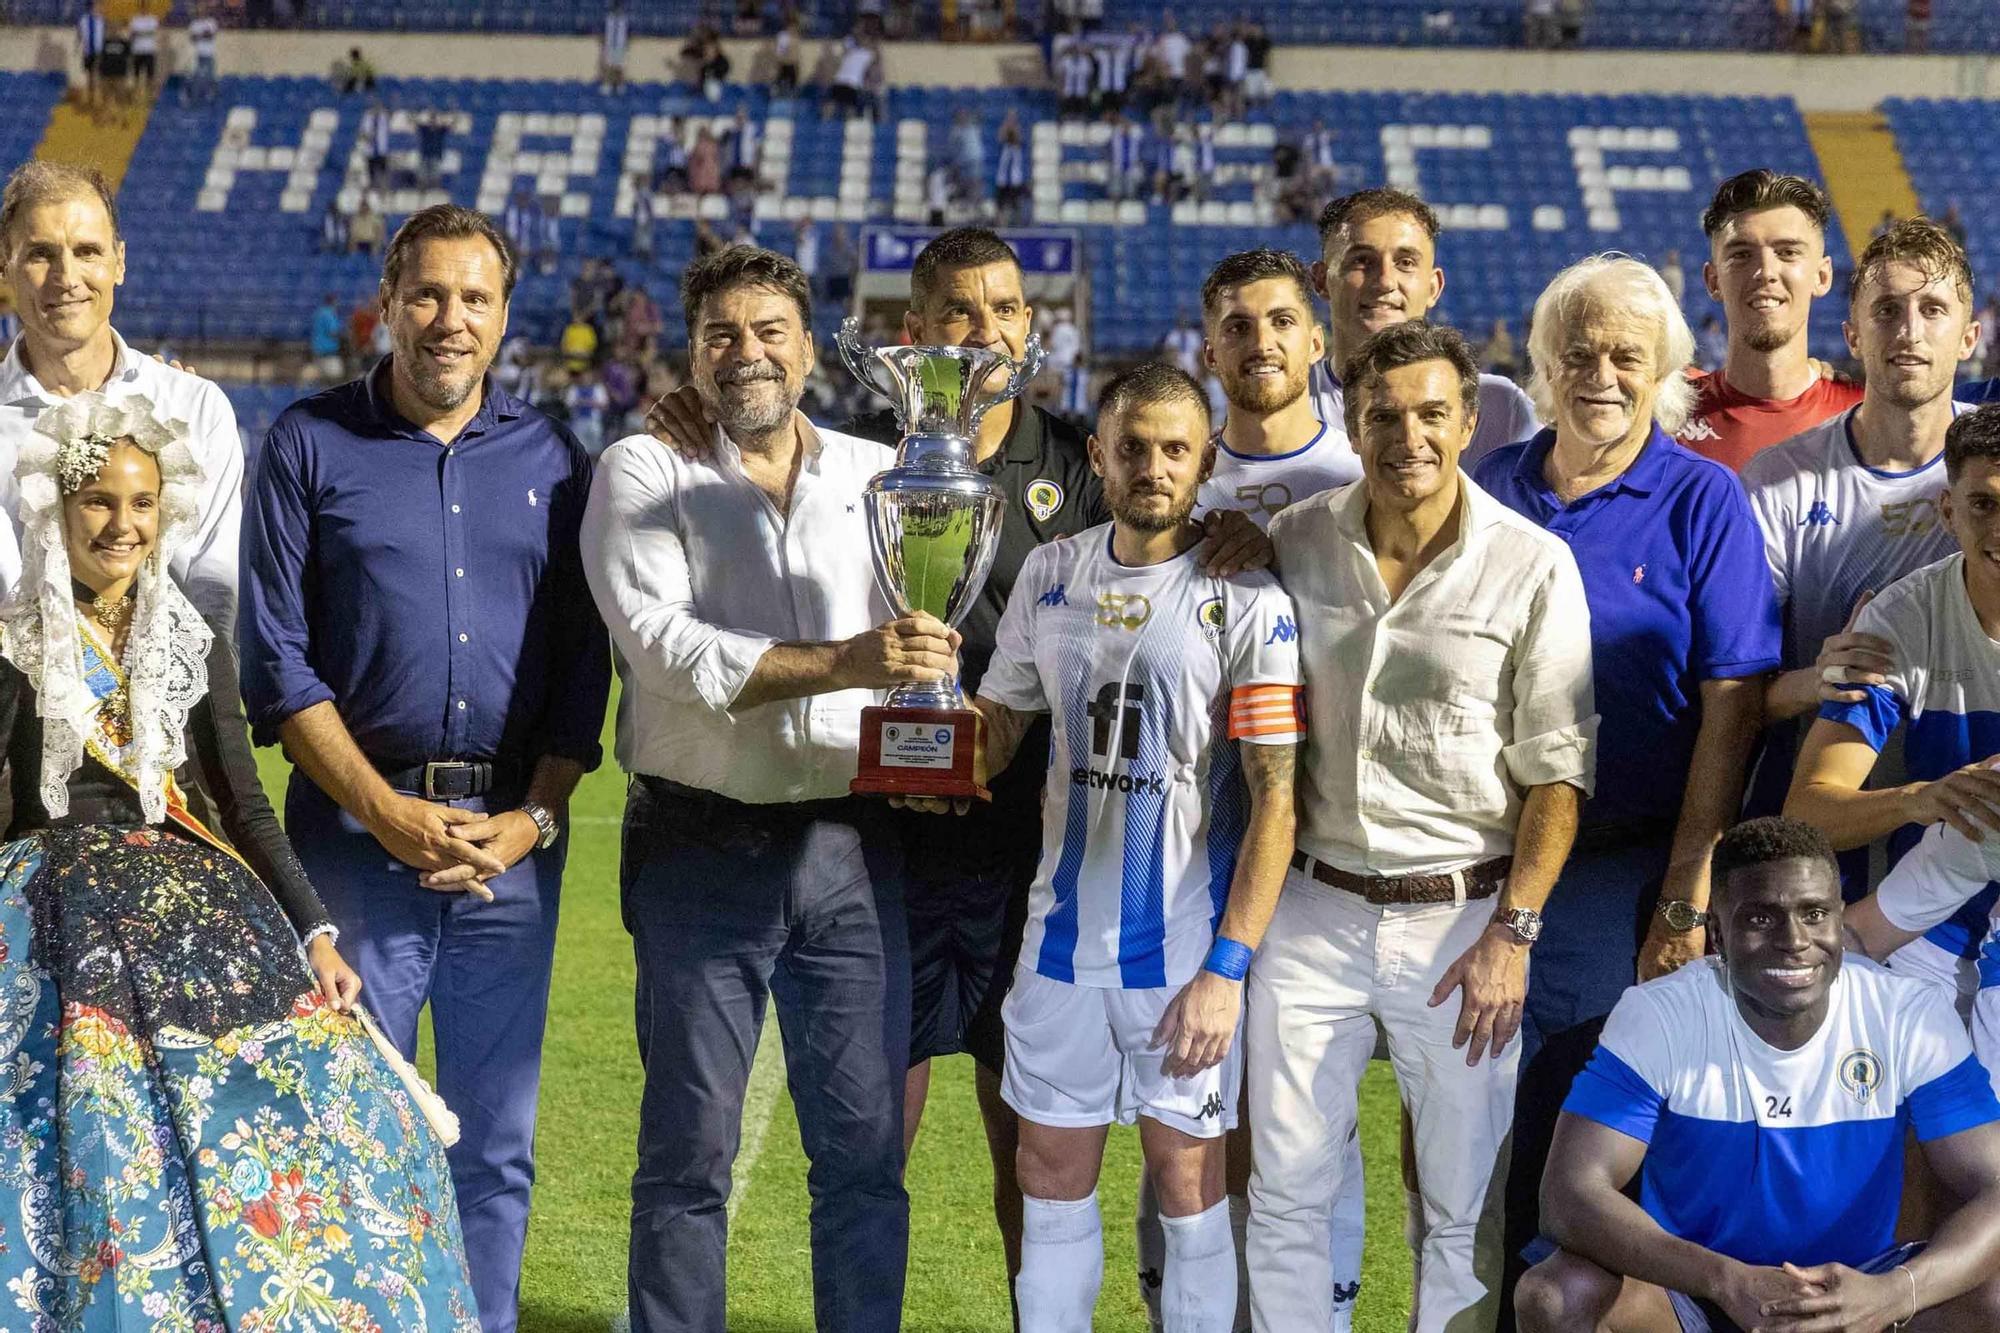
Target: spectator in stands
[362, 323]
[62, 257]
[1010, 173]
[622, 385]
[549, 248]
[704, 62]
[805, 253]
[201, 35]
[1182, 346]
[1795, 24]
[642, 220]
[433, 778]
[937, 194]
[1540, 28]
[374, 136]
[613, 45]
[1065, 342]
[842, 260]
[90, 37]
[1114, 55]
[1171, 53]
[432, 127]
[1235, 74]
[704, 168]
[355, 74]
[366, 230]
[522, 221]
[1075, 74]
[670, 174]
[1200, 148]
[743, 147]
[1675, 277]
[588, 403]
[144, 30]
[328, 366]
[114, 66]
[1125, 166]
[333, 229]
[1842, 29]
[579, 343]
[1711, 343]
[1917, 26]
[785, 48]
[1257, 47]
[968, 145]
[1169, 163]
[1499, 354]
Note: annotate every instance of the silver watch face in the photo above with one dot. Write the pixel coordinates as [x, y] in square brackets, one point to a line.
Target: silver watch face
[1524, 922]
[1682, 915]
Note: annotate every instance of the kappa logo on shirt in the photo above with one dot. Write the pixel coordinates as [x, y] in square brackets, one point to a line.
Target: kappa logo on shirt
[1053, 597]
[1212, 1108]
[1819, 516]
[1282, 632]
[1697, 428]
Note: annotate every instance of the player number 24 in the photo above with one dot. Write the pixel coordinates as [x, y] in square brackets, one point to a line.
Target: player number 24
[1777, 1108]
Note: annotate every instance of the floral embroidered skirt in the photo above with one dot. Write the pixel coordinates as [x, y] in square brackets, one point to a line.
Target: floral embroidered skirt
[190, 1140]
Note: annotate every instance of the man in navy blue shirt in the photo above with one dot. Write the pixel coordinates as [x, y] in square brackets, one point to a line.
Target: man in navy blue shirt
[417, 631]
[1683, 628]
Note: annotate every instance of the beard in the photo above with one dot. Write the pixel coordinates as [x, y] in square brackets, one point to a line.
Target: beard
[1131, 515]
[1262, 396]
[441, 390]
[751, 404]
[1770, 338]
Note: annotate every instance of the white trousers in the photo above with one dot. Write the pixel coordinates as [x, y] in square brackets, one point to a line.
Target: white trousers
[1329, 962]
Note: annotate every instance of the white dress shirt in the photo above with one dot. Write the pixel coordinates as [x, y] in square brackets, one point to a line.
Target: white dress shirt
[1427, 719]
[697, 575]
[206, 565]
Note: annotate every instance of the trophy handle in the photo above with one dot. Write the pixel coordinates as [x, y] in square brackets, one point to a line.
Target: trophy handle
[1023, 374]
[860, 358]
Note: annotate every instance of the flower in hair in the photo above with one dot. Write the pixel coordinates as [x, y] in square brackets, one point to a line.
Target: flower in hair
[79, 459]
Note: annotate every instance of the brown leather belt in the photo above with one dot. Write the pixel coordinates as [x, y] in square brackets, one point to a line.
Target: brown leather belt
[1479, 881]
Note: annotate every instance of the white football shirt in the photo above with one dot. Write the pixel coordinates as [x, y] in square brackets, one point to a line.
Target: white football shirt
[1152, 675]
[1262, 484]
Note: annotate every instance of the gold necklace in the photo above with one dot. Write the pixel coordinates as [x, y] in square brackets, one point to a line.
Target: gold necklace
[113, 614]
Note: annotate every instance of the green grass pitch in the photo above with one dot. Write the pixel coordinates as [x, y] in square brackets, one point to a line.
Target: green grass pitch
[575, 1274]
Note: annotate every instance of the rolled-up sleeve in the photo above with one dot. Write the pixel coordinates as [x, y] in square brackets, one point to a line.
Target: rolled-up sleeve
[580, 661]
[209, 566]
[273, 634]
[637, 568]
[1555, 711]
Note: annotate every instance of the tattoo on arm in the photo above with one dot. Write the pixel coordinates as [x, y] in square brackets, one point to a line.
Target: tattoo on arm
[1269, 770]
[1004, 729]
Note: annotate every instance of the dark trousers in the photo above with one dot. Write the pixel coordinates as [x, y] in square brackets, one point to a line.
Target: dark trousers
[730, 905]
[484, 968]
[1593, 925]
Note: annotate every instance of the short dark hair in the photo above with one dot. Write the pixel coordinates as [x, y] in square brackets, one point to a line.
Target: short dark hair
[1152, 382]
[1757, 842]
[1259, 265]
[36, 182]
[1976, 434]
[1408, 344]
[743, 266]
[1761, 188]
[961, 247]
[1916, 241]
[447, 222]
[1363, 205]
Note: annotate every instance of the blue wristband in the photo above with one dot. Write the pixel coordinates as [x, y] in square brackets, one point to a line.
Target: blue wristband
[1227, 958]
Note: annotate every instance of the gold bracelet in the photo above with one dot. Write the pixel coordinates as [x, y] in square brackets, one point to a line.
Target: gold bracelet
[1909, 1273]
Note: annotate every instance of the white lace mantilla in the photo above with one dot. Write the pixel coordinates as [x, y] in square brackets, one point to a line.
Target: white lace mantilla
[166, 656]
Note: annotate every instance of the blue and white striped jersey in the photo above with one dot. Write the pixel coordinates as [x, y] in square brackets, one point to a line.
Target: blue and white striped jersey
[1945, 694]
[1152, 675]
[1773, 1156]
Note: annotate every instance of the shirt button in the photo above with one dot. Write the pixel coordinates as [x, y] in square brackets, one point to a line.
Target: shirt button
[1366, 755]
[461, 705]
[459, 573]
[454, 509]
[461, 638]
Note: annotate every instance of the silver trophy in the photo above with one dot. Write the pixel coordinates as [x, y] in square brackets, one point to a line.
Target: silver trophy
[933, 524]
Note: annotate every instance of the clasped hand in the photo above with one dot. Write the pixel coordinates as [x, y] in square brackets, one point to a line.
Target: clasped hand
[458, 851]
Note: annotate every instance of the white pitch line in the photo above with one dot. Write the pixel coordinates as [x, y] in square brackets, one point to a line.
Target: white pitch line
[760, 1102]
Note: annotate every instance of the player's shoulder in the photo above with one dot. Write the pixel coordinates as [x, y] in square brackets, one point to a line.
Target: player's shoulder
[1662, 1018]
[1514, 535]
[1066, 555]
[1919, 597]
[1798, 457]
[1902, 1007]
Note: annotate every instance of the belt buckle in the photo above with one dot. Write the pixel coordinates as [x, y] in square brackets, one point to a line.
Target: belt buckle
[431, 770]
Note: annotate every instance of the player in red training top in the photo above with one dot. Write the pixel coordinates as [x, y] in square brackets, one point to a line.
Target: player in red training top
[1767, 263]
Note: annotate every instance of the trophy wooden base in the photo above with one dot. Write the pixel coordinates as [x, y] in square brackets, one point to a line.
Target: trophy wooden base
[918, 752]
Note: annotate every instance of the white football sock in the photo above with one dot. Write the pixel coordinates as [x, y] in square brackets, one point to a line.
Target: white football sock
[1198, 1294]
[1062, 1264]
[1152, 1249]
[1350, 1227]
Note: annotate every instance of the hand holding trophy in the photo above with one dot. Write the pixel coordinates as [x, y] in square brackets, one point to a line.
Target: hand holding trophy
[933, 523]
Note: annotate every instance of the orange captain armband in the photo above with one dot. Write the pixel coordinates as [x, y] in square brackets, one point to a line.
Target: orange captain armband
[1260, 711]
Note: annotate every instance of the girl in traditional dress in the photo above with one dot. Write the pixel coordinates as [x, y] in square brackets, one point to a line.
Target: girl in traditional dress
[196, 1132]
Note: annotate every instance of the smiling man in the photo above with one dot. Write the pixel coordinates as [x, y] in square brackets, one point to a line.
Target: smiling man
[1763, 1098]
[61, 252]
[1378, 267]
[1767, 263]
[417, 631]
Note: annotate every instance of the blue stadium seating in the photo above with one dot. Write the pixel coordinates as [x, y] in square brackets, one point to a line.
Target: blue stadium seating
[1526, 184]
[1960, 25]
[28, 99]
[1953, 156]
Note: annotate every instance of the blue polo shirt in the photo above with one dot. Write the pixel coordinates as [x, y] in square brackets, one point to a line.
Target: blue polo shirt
[434, 593]
[1673, 568]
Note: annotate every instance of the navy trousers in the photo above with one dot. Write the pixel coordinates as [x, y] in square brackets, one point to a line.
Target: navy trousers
[731, 906]
[484, 968]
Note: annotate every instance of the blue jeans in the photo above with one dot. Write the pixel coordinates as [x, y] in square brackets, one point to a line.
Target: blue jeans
[484, 968]
[730, 905]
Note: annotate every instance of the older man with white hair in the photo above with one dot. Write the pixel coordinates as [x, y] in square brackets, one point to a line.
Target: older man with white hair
[1683, 628]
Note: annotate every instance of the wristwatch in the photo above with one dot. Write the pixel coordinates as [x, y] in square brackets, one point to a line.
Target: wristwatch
[1525, 922]
[545, 822]
[1680, 914]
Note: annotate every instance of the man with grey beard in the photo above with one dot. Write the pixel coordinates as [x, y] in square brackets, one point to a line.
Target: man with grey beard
[416, 629]
[750, 634]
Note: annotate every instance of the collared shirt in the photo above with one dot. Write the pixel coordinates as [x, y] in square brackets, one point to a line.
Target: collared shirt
[1428, 718]
[1673, 567]
[432, 592]
[698, 576]
[206, 565]
[1506, 413]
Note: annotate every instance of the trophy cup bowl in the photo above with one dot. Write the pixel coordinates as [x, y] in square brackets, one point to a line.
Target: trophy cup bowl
[933, 525]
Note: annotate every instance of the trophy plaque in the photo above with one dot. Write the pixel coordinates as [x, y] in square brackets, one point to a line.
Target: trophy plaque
[933, 524]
